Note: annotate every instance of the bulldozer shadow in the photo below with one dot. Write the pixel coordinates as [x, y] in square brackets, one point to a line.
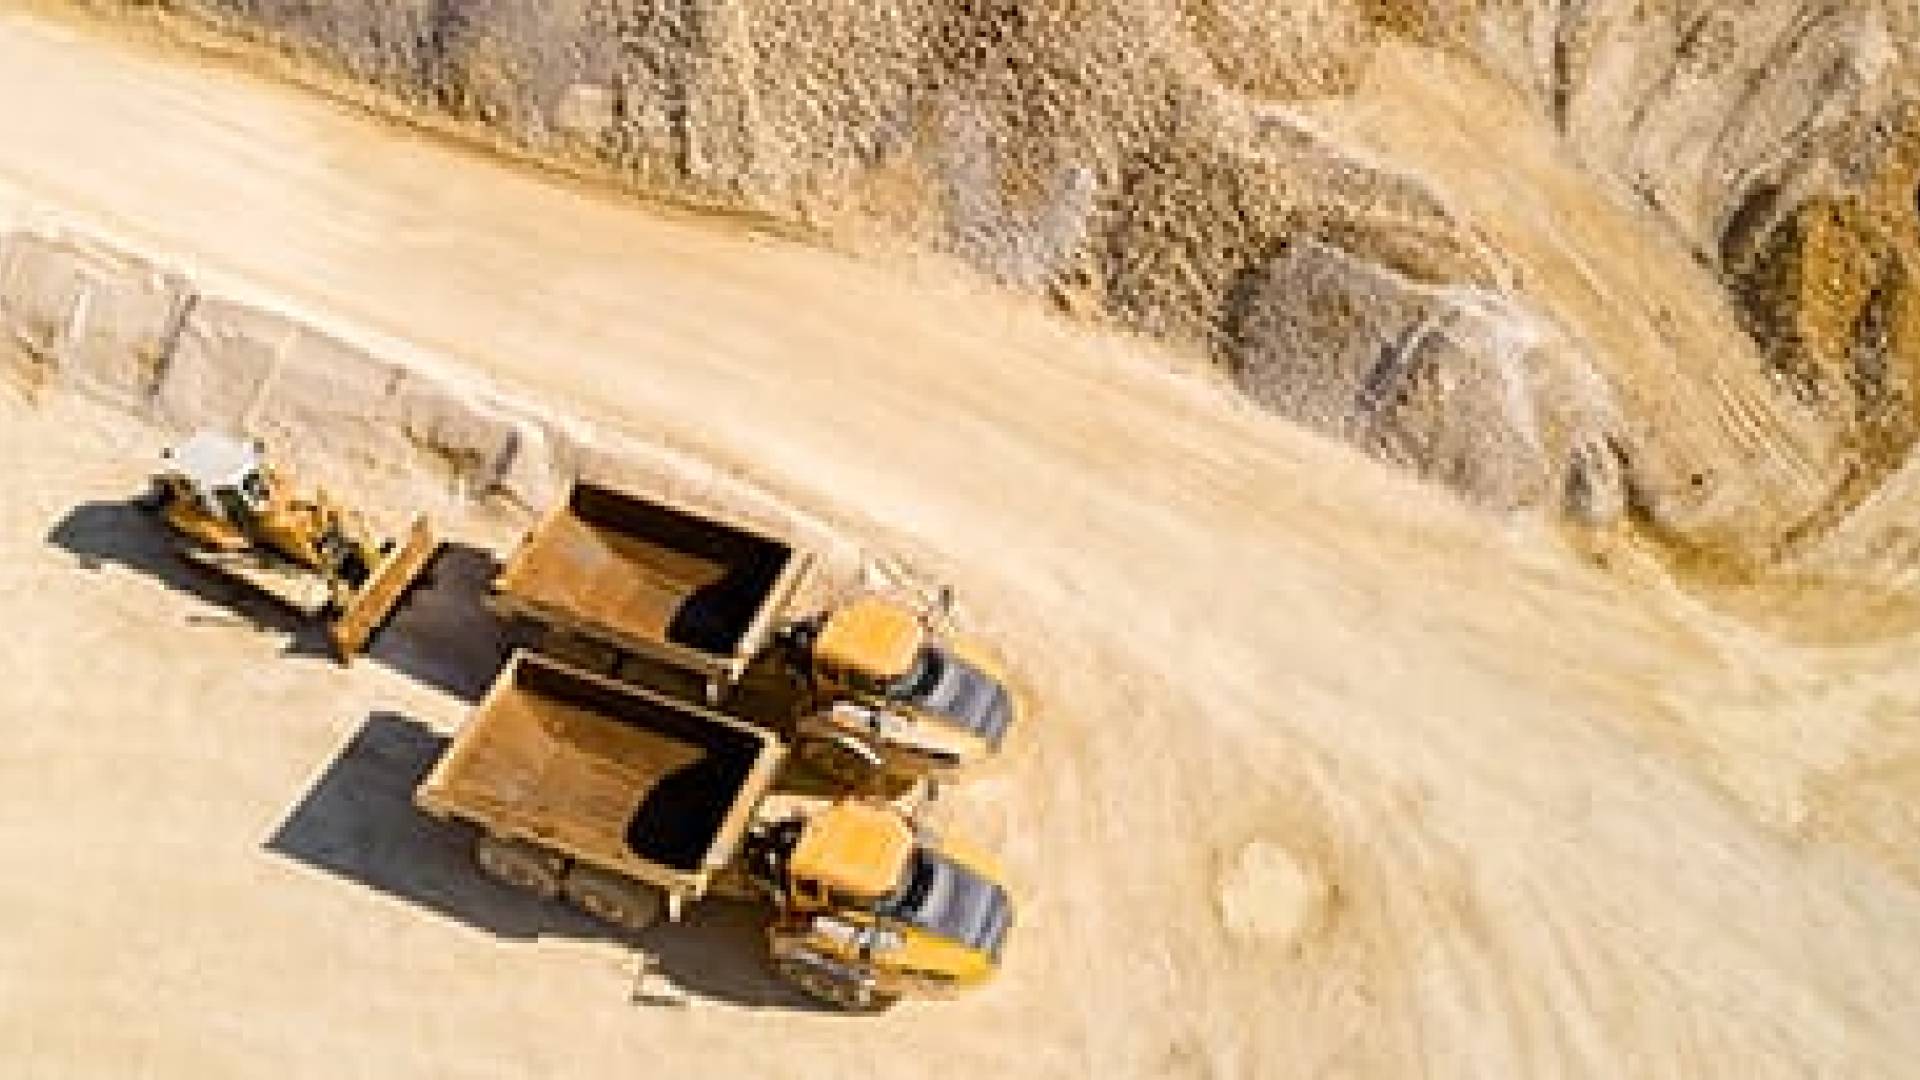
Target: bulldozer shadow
[441, 635]
[102, 534]
[357, 821]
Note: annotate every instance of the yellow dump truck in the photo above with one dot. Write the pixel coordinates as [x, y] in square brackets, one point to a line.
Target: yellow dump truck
[624, 585]
[625, 802]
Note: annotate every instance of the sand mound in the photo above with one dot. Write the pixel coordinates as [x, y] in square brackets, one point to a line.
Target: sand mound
[1704, 217]
[1270, 897]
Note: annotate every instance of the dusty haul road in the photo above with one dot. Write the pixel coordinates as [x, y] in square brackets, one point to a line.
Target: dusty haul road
[1327, 776]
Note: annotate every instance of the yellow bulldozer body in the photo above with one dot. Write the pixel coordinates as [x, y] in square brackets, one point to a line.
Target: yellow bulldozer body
[237, 518]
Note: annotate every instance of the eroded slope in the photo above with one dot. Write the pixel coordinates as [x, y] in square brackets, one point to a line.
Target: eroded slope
[1665, 274]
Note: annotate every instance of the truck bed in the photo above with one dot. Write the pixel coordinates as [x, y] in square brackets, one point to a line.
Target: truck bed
[608, 774]
[652, 579]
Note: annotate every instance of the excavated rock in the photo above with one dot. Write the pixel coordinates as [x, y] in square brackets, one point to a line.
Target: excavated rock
[1735, 371]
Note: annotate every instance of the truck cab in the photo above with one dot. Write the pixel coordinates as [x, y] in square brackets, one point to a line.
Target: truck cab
[896, 699]
[870, 912]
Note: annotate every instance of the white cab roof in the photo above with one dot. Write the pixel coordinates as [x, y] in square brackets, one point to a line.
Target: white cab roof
[212, 460]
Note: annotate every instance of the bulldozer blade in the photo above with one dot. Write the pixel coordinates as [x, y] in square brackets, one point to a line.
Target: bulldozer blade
[384, 590]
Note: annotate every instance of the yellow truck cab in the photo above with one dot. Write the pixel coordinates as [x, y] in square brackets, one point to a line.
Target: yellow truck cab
[213, 485]
[872, 913]
[895, 699]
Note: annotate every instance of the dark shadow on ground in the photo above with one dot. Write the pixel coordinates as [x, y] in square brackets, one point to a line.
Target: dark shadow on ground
[441, 634]
[357, 821]
[121, 534]
[718, 951]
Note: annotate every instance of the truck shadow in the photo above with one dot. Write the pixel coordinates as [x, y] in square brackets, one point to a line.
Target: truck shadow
[442, 634]
[357, 821]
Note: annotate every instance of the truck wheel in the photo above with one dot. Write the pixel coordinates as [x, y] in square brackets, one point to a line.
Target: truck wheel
[630, 905]
[522, 865]
[824, 985]
[845, 761]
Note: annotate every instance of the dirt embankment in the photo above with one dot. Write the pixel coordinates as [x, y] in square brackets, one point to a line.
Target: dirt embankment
[76, 315]
[1692, 306]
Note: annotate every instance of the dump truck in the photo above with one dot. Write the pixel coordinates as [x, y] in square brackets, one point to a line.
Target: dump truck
[627, 585]
[239, 516]
[628, 802]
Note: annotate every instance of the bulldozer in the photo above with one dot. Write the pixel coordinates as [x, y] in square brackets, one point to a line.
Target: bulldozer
[237, 515]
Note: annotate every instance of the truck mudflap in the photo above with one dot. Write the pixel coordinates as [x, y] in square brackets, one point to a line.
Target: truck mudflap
[374, 604]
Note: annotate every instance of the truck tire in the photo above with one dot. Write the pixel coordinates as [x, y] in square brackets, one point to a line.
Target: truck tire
[828, 986]
[522, 865]
[846, 761]
[629, 905]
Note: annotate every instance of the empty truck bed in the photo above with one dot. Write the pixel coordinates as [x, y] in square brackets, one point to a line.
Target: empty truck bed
[605, 773]
[653, 579]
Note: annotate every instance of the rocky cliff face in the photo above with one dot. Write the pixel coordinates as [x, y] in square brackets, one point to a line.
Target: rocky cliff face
[1626, 259]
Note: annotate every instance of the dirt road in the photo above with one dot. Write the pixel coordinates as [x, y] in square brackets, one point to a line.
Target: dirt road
[1328, 776]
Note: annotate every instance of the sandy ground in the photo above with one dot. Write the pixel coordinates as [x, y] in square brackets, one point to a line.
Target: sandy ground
[1327, 776]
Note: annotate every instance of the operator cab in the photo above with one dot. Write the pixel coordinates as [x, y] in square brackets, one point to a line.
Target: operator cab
[869, 645]
[225, 477]
[852, 853]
